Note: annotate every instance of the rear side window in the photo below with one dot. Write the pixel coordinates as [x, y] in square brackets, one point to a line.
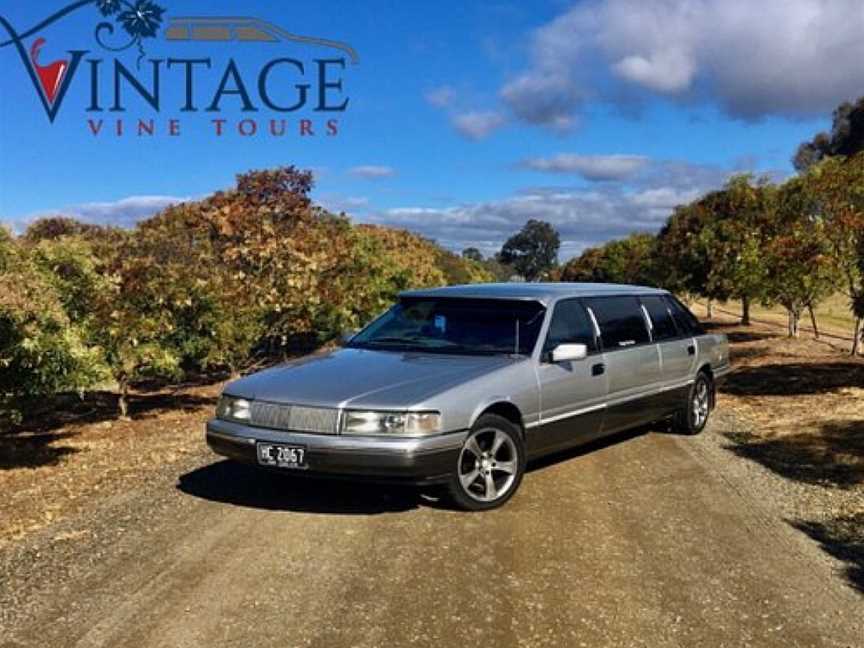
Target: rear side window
[621, 321]
[570, 325]
[685, 320]
[661, 318]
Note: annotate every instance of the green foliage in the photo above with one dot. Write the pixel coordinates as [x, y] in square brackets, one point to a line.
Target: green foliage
[41, 350]
[800, 270]
[473, 254]
[256, 270]
[837, 185]
[713, 246]
[630, 260]
[533, 251]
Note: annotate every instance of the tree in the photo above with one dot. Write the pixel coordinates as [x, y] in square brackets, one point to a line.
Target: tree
[838, 185]
[631, 260]
[742, 216]
[533, 251]
[472, 254]
[41, 350]
[55, 227]
[800, 269]
[846, 137]
[683, 259]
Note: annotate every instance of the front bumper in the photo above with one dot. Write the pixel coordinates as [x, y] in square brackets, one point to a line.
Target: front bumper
[420, 461]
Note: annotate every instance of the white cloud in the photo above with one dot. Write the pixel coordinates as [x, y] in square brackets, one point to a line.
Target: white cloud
[590, 167]
[440, 97]
[478, 124]
[339, 203]
[583, 216]
[123, 213]
[795, 58]
[372, 172]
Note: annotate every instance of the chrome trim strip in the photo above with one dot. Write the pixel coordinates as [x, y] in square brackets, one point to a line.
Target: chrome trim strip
[597, 333]
[229, 437]
[238, 433]
[561, 417]
[617, 401]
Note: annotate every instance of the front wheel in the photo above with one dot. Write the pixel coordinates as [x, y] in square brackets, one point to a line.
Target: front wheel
[490, 465]
[691, 419]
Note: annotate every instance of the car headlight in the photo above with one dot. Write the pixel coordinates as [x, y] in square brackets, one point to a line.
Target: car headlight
[234, 409]
[408, 424]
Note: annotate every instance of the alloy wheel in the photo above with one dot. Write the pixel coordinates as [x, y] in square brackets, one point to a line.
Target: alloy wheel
[488, 465]
[701, 404]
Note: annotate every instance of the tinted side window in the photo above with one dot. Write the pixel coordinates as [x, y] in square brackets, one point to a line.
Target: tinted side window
[684, 318]
[621, 321]
[664, 327]
[570, 325]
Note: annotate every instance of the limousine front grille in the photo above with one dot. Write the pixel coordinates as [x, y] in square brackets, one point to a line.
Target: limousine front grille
[296, 418]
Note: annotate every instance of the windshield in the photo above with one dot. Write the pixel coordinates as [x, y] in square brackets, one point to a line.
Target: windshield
[452, 325]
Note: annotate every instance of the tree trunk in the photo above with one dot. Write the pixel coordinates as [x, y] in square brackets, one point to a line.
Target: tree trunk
[745, 311]
[123, 398]
[856, 339]
[813, 321]
[794, 319]
[709, 308]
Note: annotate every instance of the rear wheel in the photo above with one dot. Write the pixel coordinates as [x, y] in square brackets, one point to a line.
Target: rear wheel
[490, 465]
[691, 419]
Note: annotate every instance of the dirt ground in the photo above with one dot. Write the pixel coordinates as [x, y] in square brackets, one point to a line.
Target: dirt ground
[132, 534]
[54, 466]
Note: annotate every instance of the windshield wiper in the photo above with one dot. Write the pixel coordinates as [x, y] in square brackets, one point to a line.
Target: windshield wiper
[391, 341]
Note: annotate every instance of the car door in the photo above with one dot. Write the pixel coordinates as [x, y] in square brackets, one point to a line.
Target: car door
[632, 361]
[677, 351]
[572, 393]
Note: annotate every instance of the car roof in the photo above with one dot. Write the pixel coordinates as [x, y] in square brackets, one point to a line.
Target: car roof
[542, 292]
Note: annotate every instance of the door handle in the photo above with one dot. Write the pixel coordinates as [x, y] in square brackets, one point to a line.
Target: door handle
[691, 350]
[598, 369]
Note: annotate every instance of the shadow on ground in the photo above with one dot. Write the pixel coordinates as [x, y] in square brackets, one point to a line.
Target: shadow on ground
[737, 354]
[832, 457]
[96, 407]
[249, 486]
[33, 451]
[789, 379]
[593, 446]
[735, 336]
[234, 483]
[842, 538]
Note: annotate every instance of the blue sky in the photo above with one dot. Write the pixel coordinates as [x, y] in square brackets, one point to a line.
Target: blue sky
[465, 118]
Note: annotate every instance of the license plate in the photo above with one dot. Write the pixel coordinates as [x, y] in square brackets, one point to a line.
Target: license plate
[281, 456]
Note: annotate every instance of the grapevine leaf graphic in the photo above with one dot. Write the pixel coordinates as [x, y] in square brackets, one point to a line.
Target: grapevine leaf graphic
[108, 7]
[142, 20]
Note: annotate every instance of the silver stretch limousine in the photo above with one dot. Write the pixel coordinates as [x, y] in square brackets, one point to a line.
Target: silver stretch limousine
[462, 385]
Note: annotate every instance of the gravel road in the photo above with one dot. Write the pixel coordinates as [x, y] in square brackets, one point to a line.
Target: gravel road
[647, 540]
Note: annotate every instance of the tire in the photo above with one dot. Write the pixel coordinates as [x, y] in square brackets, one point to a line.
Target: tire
[490, 465]
[691, 419]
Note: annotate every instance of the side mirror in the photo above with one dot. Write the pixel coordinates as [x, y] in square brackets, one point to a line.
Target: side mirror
[565, 352]
[345, 338]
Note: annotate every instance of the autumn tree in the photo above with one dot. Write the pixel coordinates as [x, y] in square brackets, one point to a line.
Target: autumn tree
[54, 227]
[838, 183]
[631, 260]
[533, 251]
[683, 259]
[800, 271]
